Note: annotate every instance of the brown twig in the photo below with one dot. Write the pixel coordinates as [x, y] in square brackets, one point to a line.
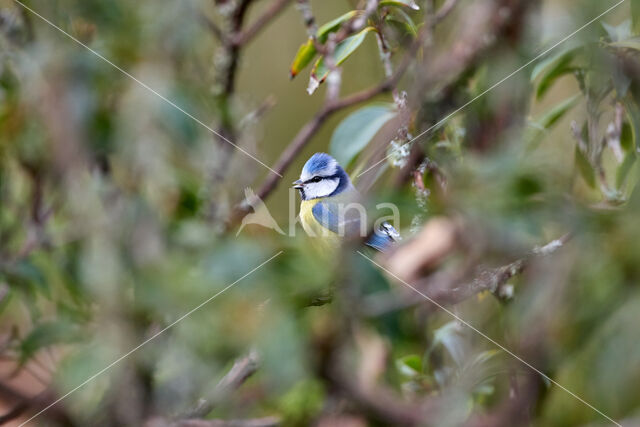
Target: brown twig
[245, 36]
[241, 370]
[446, 288]
[212, 26]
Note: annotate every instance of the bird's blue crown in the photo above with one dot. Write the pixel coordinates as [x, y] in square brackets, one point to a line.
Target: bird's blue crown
[320, 164]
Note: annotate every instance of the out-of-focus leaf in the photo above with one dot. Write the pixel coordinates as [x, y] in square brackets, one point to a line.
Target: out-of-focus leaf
[618, 32]
[626, 137]
[552, 59]
[307, 51]
[621, 81]
[409, 366]
[585, 168]
[631, 43]
[334, 25]
[560, 67]
[411, 4]
[608, 359]
[556, 113]
[343, 50]
[624, 168]
[354, 133]
[46, 334]
[406, 23]
[25, 273]
[633, 114]
[301, 402]
[450, 337]
[305, 55]
[5, 295]
[635, 16]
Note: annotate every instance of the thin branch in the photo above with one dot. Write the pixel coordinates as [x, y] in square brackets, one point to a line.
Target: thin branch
[241, 370]
[212, 26]
[304, 6]
[446, 289]
[250, 33]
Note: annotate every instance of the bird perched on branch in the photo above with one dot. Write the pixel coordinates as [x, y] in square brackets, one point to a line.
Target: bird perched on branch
[329, 208]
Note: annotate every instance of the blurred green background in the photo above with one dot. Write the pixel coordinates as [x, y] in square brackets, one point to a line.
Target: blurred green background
[113, 225]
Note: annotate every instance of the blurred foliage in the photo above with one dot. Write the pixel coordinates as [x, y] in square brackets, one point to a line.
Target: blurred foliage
[113, 209]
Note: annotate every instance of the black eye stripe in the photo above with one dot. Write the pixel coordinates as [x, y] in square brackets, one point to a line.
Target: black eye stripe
[320, 178]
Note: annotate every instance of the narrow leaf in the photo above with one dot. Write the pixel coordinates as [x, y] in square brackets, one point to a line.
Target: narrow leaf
[334, 25]
[354, 133]
[560, 67]
[633, 114]
[305, 55]
[342, 51]
[307, 51]
[556, 113]
[411, 4]
[585, 168]
[624, 169]
[404, 21]
[635, 16]
[552, 59]
[626, 137]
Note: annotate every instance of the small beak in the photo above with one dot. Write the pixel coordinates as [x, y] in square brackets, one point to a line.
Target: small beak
[297, 185]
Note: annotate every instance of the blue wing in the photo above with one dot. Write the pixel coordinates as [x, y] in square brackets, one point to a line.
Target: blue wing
[328, 215]
[384, 237]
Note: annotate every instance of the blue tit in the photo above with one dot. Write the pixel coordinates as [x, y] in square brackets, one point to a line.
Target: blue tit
[328, 209]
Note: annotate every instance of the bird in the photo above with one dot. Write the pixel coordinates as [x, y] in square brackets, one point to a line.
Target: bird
[329, 208]
[260, 215]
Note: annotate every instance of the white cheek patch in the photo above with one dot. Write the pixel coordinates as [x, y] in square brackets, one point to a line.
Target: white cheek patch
[321, 189]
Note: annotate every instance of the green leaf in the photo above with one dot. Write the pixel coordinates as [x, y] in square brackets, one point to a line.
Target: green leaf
[334, 25]
[27, 275]
[635, 16]
[633, 114]
[559, 68]
[624, 169]
[307, 51]
[626, 137]
[409, 366]
[305, 55]
[343, 50]
[354, 133]
[411, 4]
[552, 59]
[404, 21]
[585, 168]
[551, 117]
[46, 334]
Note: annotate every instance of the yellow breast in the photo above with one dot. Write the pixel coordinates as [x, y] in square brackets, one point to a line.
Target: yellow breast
[313, 228]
